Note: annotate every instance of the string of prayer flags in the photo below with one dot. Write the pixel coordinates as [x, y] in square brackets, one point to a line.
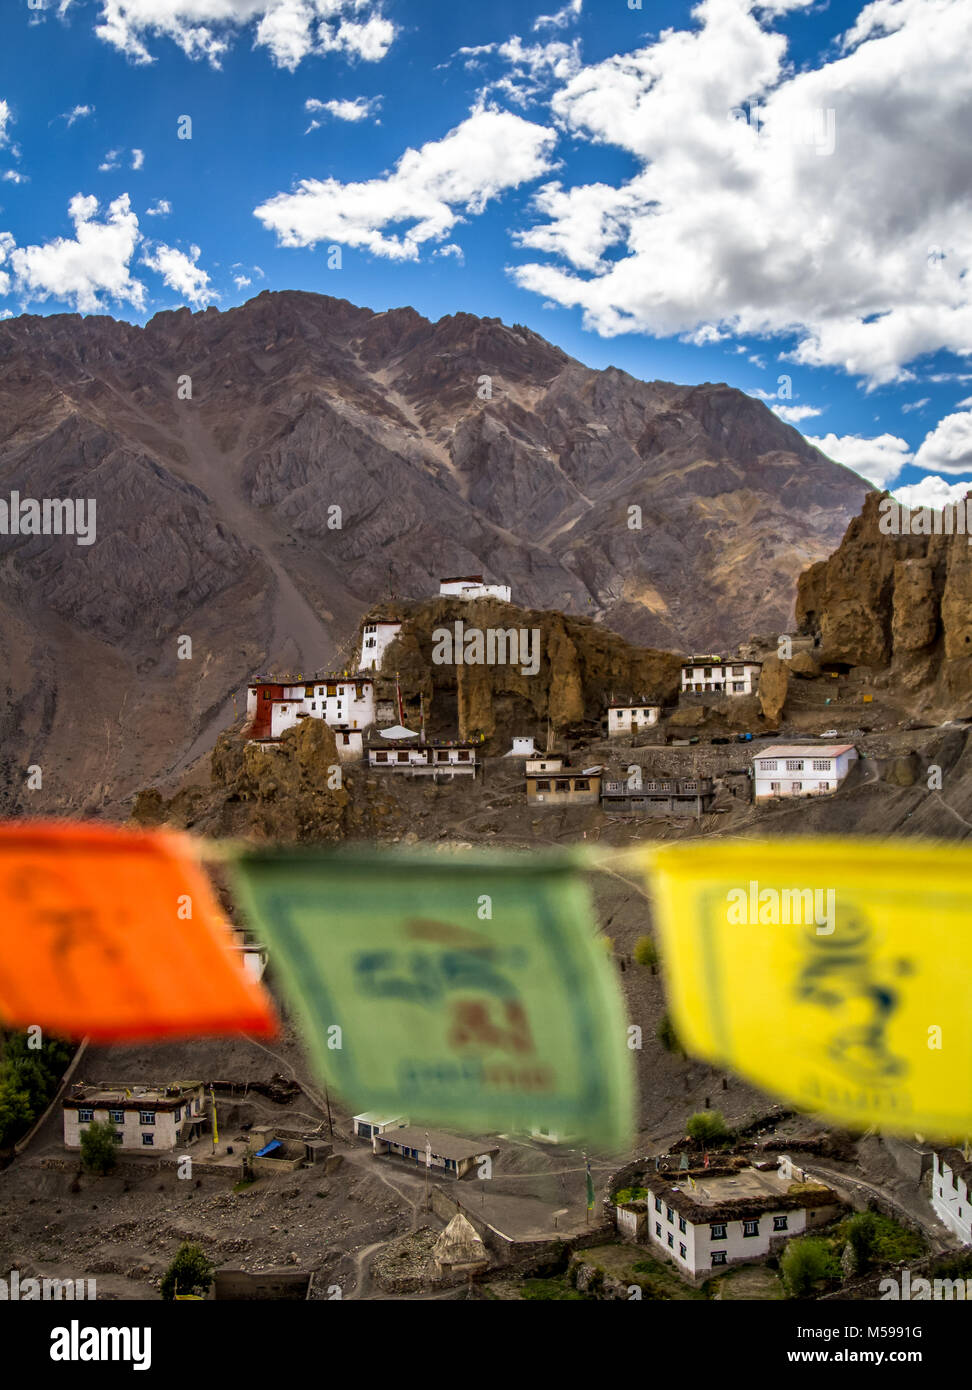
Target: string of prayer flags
[835, 973]
[116, 934]
[470, 991]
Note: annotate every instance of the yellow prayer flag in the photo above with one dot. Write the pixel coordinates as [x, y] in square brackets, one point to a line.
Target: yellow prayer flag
[835, 973]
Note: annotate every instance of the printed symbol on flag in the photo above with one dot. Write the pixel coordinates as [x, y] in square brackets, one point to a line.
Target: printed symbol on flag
[840, 974]
[472, 1024]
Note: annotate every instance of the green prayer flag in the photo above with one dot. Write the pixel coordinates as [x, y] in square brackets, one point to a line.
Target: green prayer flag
[467, 991]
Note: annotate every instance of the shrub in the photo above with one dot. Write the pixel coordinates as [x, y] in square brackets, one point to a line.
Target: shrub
[708, 1127]
[646, 952]
[191, 1272]
[666, 1035]
[98, 1152]
[806, 1263]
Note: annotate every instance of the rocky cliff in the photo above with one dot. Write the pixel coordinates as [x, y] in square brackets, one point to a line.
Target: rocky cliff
[899, 604]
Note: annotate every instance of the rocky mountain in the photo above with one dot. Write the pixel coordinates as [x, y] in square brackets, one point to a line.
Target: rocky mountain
[263, 475]
[898, 604]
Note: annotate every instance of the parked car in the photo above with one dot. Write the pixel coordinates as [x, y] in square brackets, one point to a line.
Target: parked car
[830, 733]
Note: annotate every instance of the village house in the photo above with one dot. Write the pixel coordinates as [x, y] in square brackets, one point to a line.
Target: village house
[951, 1193]
[522, 748]
[687, 796]
[432, 1148]
[713, 675]
[472, 586]
[714, 1217]
[421, 759]
[801, 769]
[346, 703]
[159, 1118]
[542, 763]
[565, 788]
[368, 1124]
[376, 638]
[627, 718]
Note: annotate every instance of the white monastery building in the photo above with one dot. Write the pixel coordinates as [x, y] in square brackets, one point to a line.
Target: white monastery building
[376, 638]
[952, 1192]
[702, 1222]
[711, 675]
[472, 586]
[346, 703]
[801, 769]
[629, 718]
[145, 1117]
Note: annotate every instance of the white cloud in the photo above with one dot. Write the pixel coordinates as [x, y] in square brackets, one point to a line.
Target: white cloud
[110, 162]
[948, 447]
[5, 120]
[241, 281]
[793, 414]
[94, 263]
[138, 158]
[932, 491]
[160, 208]
[181, 273]
[450, 249]
[356, 110]
[13, 176]
[915, 405]
[77, 113]
[290, 30]
[430, 188]
[780, 224]
[6, 313]
[532, 67]
[879, 460]
[562, 18]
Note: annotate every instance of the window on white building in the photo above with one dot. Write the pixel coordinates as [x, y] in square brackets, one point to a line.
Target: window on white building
[682, 1250]
[794, 764]
[751, 1228]
[779, 1223]
[796, 786]
[774, 786]
[669, 1213]
[658, 1204]
[658, 1229]
[821, 764]
[718, 1231]
[767, 765]
[85, 1117]
[117, 1117]
[146, 1117]
[148, 1141]
[671, 1241]
[681, 1224]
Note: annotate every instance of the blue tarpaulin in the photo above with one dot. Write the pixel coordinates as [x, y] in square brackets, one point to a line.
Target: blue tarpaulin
[268, 1148]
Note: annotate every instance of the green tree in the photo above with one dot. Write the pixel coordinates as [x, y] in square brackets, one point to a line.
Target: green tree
[15, 1111]
[98, 1152]
[646, 952]
[806, 1263]
[862, 1234]
[190, 1272]
[708, 1127]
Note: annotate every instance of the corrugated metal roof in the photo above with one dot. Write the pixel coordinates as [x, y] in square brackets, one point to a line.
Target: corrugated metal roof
[804, 750]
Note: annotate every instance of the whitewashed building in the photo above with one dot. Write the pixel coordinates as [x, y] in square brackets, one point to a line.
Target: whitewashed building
[952, 1192]
[345, 702]
[425, 759]
[472, 586]
[630, 718]
[156, 1118]
[543, 763]
[801, 769]
[376, 638]
[714, 675]
[522, 748]
[369, 1123]
[703, 1222]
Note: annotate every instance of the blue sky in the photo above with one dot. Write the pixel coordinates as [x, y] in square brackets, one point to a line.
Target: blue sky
[777, 197]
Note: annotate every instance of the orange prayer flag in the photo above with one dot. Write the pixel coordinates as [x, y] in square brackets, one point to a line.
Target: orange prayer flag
[116, 934]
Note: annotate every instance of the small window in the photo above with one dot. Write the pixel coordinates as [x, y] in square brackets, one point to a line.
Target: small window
[796, 786]
[669, 1213]
[658, 1229]
[821, 764]
[774, 786]
[543, 786]
[794, 764]
[779, 1223]
[581, 784]
[671, 1241]
[658, 1204]
[85, 1117]
[462, 756]
[751, 1228]
[146, 1117]
[118, 1138]
[718, 1231]
[178, 1114]
[148, 1141]
[718, 1257]
[681, 1224]
[117, 1117]
[681, 1250]
[767, 764]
